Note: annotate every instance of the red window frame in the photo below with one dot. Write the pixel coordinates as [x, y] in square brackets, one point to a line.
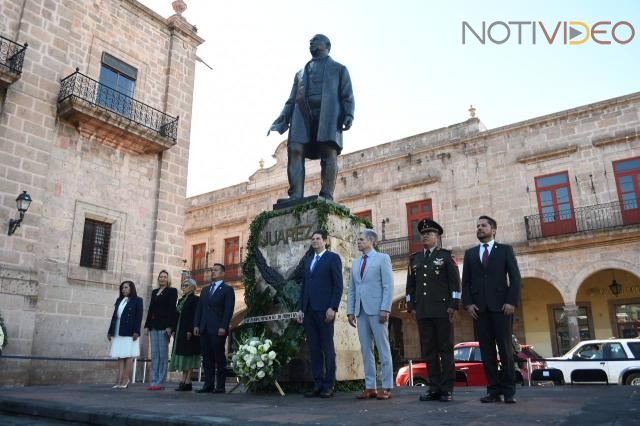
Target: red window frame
[365, 214]
[628, 186]
[416, 211]
[556, 216]
[232, 258]
[198, 261]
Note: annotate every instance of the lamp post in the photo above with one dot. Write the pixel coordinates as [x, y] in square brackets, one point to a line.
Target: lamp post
[615, 287]
[22, 202]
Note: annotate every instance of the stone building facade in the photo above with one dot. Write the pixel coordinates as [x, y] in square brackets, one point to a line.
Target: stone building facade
[94, 125]
[564, 189]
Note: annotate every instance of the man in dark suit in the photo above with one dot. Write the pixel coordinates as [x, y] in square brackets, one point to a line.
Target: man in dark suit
[211, 323]
[433, 296]
[317, 306]
[490, 294]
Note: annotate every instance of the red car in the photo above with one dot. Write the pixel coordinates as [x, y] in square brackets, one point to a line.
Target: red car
[469, 370]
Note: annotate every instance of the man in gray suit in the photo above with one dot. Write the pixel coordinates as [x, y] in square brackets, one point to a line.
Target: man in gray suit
[368, 307]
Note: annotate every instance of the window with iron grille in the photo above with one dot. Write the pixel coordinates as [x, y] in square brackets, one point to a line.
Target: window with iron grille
[95, 244]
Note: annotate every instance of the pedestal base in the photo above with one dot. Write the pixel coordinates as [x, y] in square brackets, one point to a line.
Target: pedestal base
[283, 242]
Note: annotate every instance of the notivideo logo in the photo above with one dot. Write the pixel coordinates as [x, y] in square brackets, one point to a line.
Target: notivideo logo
[561, 32]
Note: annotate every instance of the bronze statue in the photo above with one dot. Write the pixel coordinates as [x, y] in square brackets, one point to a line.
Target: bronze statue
[320, 107]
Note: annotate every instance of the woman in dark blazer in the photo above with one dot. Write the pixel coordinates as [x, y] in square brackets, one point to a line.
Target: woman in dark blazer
[186, 346]
[124, 331]
[161, 319]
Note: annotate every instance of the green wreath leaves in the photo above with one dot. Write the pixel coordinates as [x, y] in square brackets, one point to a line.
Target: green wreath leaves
[288, 344]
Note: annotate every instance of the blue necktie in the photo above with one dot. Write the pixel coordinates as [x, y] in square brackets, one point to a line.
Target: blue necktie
[315, 262]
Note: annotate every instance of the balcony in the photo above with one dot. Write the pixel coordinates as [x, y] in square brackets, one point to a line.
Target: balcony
[581, 219]
[113, 118]
[232, 273]
[396, 248]
[11, 60]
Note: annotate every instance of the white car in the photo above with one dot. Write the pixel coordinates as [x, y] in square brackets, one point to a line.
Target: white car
[610, 361]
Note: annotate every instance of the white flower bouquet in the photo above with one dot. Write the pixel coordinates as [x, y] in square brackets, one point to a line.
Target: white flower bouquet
[254, 361]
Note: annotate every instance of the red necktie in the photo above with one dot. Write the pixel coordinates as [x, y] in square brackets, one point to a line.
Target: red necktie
[485, 255]
[364, 263]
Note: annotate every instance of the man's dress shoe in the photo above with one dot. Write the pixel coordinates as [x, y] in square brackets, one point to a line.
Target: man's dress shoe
[312, 393]
[430, 396]
[367, 393]
[446, 396]
[490, 398]
[326, 393]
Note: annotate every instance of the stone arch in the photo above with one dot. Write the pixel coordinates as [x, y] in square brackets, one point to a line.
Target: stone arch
[552, 279]
[591, 268]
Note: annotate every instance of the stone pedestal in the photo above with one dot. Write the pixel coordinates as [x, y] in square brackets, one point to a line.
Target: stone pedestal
[283, 242]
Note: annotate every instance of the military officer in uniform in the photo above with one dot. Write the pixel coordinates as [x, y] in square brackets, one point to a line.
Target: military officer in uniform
[433, 296]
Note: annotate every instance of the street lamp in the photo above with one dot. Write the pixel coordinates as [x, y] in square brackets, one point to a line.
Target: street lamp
[615, 287]
[22, 202]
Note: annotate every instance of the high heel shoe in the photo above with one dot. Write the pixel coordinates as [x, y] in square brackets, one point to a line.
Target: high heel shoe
[126, 385]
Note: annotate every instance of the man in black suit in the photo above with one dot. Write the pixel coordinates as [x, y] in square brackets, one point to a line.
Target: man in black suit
[490, 294]
[211, 323]
[317, 306]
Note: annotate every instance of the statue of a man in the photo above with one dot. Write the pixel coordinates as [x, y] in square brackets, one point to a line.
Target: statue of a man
[320, 107]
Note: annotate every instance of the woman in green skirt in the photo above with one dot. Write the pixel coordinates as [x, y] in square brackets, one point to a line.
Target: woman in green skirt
[185, 355]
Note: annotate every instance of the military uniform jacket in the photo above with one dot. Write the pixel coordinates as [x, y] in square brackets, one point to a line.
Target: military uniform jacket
[433, 284]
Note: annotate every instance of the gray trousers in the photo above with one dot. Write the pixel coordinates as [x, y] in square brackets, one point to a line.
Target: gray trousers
[371, 332]
[159, 356]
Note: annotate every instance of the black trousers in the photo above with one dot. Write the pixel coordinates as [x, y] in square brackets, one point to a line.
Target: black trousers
[296, 172]
[494, 329]
[436, 340]
[214, 360]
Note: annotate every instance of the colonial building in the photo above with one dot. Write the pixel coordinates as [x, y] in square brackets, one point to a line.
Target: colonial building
[95, 114]
[563, 187]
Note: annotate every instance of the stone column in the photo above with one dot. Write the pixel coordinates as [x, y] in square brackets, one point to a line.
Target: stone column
[572, 323]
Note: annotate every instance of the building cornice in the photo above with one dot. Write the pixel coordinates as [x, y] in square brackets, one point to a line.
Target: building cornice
[465, 141]
[547, 154]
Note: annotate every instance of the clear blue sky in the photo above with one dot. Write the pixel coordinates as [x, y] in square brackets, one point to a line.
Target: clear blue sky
[410, 71]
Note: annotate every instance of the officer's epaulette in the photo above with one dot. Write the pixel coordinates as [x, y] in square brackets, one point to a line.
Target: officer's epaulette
[445, 250]
[415, 253]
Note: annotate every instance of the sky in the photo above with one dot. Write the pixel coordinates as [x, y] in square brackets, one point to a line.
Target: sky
[410, 70]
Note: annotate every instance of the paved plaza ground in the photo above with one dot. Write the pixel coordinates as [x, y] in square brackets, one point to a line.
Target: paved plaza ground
[99, 404]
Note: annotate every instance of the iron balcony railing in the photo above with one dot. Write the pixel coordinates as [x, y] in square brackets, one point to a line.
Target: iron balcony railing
[99, 95]
[12, 55]
[395, 248]
[579, 219]
[232, 272]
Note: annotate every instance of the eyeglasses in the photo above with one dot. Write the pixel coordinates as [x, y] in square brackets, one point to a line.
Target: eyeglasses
[184, 285]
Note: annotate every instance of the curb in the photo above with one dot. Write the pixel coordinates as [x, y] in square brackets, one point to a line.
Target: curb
[74, 413]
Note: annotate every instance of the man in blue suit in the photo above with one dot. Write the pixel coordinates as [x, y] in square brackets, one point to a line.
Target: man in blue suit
[317, 307]
[211, 323]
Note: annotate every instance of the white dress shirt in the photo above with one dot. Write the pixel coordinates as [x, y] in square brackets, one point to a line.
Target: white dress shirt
[488, 248]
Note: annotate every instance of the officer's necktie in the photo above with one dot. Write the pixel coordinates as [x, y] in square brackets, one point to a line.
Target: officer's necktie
[485, 255]
[315, 262]
[364, 264]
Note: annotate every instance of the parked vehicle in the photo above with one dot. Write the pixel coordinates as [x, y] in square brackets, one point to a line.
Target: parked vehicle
[608, 361]
[469, 369]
